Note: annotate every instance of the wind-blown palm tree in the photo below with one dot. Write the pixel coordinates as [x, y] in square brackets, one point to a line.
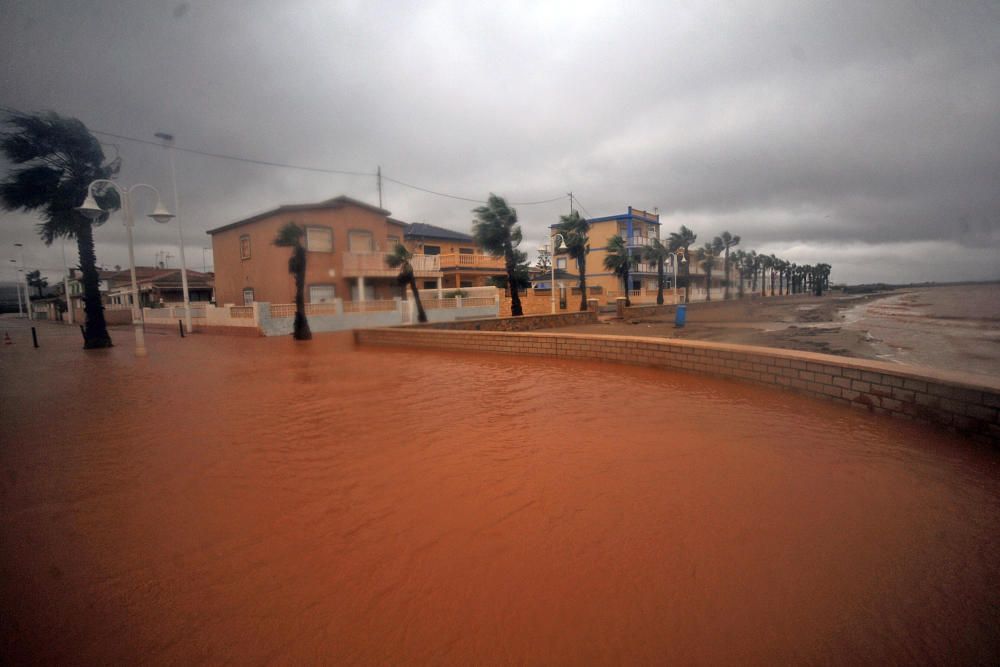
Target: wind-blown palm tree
[574, 230]
[706, 257]
[765, 266]
[497, 232]
[60, 158]
[684, 239]
[753, 264]
[774, 266]
[36, 280]
[620, 261]
[739, 261]
[657, 253]
[821, 278]
[725, 240]
[290, 236]
[400, 258]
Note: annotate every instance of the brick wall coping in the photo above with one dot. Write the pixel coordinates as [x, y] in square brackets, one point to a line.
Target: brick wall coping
[963, 402]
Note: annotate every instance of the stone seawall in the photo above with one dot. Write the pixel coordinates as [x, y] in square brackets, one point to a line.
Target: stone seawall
[715, 311]
[524, 323]
[963, 403]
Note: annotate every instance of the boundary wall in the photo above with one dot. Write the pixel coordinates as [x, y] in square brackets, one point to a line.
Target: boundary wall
[716, 311]
[967, 404]
[523, 323]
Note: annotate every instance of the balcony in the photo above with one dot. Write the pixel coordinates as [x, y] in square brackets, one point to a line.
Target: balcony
[372, 265]
[644, 267]
[475, 262]
[639, 241]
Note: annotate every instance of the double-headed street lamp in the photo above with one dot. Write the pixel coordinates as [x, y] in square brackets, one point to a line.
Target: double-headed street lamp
[674, 254]
[92, 210]
[552, 249]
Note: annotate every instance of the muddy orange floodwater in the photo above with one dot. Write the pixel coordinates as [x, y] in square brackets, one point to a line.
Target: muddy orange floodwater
[256, 500]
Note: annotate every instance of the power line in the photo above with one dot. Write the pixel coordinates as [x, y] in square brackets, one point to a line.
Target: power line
[284, 165]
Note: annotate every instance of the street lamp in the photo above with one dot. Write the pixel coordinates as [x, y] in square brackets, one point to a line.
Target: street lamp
[674, 254]
[92, 210]
[27, 293]
[17, 288]
[168, 143]
[552, 261]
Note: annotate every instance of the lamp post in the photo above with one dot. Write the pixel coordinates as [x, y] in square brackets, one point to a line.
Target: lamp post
[552, 260]
[168, 143]
[673, 260]
[92, 210]
[27, 293]
[17, 288]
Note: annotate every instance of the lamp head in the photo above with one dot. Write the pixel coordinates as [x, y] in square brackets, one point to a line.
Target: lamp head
[160, 213]
[89, 208]
[562, 244]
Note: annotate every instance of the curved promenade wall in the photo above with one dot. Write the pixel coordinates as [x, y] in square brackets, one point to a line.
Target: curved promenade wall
[963, 403]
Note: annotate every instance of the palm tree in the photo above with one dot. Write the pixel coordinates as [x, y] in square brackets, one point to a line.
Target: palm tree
[765, 266]
[497, 232]
[60, 158]
[739, 261]
[574, 230]
[620, 261]
[679, 240]
[821, 277]
[35, 279]
[657, 253]
[725, 241]
[706, 256]
[400, 257]
[753, 264]
[290, 236]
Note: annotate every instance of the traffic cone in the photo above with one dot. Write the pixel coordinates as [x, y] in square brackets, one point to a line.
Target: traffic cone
[6, 339]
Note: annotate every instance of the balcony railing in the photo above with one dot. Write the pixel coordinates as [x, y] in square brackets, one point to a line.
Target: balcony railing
[638, 241]
[372, 265]
[466, 261]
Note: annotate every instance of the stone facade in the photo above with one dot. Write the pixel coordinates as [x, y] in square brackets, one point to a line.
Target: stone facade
[963, 403]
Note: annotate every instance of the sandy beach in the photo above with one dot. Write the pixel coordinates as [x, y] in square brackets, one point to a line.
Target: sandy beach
[947, 327]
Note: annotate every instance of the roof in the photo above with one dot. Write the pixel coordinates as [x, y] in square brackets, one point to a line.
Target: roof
[157, 276]
[336, 202]
[423, 230]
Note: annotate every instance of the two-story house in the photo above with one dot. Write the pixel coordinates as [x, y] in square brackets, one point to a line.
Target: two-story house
[346, 243]
[463, 263]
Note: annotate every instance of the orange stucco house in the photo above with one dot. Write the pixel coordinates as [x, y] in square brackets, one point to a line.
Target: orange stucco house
[346, 242]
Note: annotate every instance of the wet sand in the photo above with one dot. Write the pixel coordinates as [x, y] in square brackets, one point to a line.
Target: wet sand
[257, 500]
[953, 328]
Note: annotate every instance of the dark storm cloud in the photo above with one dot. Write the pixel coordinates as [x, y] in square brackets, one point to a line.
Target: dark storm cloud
[803, 127]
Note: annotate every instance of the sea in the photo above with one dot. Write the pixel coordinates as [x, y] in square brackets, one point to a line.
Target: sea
[951, 327]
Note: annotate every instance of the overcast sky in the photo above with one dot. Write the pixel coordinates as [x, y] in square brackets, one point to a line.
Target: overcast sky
[863, 134]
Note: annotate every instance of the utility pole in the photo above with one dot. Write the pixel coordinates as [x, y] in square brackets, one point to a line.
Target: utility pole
[378, 175]
[570, 203]
[27, 294]
[17, 283]
[168, 144]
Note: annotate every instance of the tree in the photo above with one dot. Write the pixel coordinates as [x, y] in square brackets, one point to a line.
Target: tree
[497, 232]
[773, 266]
[36, 280]
[739, 261]
[706, 257]
[58, 159]
[725, 241]
[290, 236]
[753, 264]
[683, 240]
[522, 276]
[544, 260]
[620, 261]
[400, 258]
[574, 230]
[821, 278]
[657, 253]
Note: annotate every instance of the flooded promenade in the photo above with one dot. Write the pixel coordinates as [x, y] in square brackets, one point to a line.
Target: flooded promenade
[259, 500]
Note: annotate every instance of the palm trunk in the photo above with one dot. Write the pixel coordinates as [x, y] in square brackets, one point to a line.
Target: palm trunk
[725, 277]
[301, 329]
[659, 281]
[95, 332]
[515, 298]
[687, 276]
[421, 315]
[741, 283]
[628, 287]
[581, 264]
[708, 283]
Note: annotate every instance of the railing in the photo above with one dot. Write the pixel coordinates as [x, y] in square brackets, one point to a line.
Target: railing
[454, 260]
[434, 303]
[241, 312]
[381, 305]
[282, 310]
[373, 264]
[640, 240]
[322, 309]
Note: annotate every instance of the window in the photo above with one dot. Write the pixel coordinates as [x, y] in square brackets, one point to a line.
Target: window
[245, 247]
[466, 283]
[430, 284]
[247, 296]
[322, 293]
[360, 242]
[392, 242]
[432, 250]
[560, 262]
[466, 251]
[319, 239]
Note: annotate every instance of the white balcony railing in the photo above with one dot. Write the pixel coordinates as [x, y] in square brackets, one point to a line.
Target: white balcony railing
[373, 265]
[461, 260]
